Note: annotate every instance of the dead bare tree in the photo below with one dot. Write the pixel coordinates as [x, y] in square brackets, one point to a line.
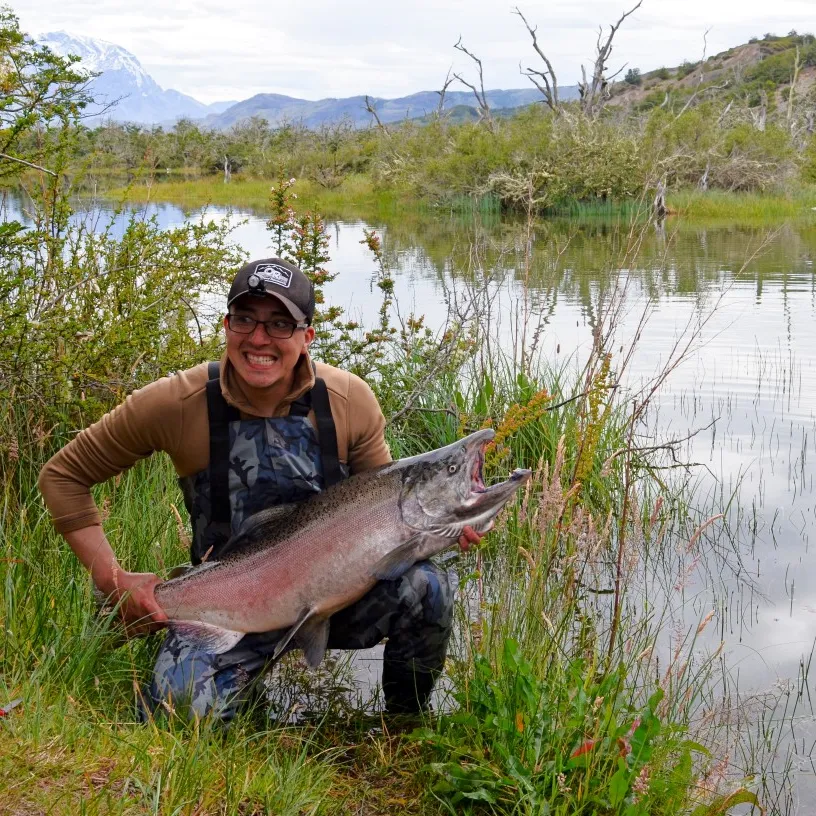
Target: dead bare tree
[759, 117]
[700, 90]
[545, 81]
[792, 92]
[479, 93]
[369, 106]
[594, 92]
[440, 108]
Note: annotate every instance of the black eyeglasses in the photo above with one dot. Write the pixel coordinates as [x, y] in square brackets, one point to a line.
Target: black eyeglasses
[279, 328]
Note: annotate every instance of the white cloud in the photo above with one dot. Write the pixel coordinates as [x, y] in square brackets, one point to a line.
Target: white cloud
[317, 48]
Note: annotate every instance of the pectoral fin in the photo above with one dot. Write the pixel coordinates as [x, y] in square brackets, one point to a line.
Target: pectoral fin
[205, 636]
[398, 561]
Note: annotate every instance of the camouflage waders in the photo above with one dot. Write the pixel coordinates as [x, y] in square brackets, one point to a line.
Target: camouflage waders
[415, 613]
[260, 463]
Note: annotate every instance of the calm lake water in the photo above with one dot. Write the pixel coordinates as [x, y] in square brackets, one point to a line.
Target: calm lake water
[748, 387]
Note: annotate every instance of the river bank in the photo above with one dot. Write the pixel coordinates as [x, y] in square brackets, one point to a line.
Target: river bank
[359, 194]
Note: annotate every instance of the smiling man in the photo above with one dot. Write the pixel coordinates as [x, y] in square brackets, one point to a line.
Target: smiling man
[264, 426]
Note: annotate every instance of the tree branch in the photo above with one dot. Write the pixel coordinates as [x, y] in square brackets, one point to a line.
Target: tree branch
[369, 106]
[481, 98]
[550, 91]
[28, 164]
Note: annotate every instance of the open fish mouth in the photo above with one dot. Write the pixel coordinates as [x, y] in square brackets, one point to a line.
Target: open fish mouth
[477, 484]
[481, 492]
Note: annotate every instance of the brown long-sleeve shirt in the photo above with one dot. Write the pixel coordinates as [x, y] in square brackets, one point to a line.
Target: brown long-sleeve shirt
[171, 415]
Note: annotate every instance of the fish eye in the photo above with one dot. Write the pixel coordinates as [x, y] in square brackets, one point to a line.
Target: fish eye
[452, 469]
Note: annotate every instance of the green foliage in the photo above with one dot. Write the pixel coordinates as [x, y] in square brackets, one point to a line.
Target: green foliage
[809, 164]
[685, 68]
[41, 97]
[633, 77]
[89, 314]
[566, 740]
[738, 158]
[661, 73]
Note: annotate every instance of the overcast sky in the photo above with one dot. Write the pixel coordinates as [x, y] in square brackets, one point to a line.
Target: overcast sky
[317, 48]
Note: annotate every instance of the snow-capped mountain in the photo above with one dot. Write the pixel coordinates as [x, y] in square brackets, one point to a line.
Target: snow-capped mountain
[124, 91]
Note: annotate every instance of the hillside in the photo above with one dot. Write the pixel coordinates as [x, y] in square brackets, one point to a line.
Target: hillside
[758, 73]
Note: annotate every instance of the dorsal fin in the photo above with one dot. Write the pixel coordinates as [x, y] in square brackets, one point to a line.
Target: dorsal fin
[275, 513]
[248, 531]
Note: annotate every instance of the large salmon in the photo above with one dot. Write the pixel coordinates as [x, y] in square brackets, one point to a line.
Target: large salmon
[292, 566]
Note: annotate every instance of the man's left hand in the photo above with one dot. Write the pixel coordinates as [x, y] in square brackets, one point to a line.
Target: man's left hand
[469, 538]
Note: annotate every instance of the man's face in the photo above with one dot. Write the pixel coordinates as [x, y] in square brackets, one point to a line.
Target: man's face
[264, 361]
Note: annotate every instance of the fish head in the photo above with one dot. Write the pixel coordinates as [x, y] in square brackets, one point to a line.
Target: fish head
[444, 491]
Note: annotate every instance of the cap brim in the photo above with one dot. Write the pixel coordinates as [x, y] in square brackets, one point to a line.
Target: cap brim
[290, 307]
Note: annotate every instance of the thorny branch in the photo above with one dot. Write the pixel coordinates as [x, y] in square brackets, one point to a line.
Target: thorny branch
[28, 164]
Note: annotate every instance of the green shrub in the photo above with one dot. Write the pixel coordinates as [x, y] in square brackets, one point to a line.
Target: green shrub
[633, 77]
[685, 68]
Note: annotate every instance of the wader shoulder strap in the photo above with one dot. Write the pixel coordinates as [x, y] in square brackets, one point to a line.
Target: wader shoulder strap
[326, 432]
[220, 413]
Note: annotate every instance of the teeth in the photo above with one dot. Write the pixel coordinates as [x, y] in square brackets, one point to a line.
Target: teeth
[257, 360]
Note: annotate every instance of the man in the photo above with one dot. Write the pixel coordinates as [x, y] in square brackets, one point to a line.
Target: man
[265, 426]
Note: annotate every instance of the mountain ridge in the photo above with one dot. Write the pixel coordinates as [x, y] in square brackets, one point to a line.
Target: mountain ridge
[127, 93]
[279, 109]
[124, 91]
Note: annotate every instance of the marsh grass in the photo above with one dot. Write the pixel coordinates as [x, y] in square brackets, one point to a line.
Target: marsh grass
[719, 205]
[527, 617]
[356, 194]
[359, 195]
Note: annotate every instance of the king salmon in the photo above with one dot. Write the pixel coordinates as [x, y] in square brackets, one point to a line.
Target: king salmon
[291, 567]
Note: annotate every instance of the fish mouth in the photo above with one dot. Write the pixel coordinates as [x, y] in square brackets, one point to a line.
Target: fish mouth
[477, 484]
[479, 491]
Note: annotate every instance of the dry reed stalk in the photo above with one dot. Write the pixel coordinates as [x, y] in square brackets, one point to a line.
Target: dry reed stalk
[180, 528]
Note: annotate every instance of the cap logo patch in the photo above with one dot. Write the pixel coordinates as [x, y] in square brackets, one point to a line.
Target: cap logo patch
[272, 273]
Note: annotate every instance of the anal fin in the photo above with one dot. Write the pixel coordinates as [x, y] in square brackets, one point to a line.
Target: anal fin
[206, 636]
[312, 637]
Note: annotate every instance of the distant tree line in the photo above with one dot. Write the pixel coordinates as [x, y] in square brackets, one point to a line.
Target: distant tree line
[719, 123]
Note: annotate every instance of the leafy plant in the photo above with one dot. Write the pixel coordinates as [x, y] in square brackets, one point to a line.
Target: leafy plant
[564, 737]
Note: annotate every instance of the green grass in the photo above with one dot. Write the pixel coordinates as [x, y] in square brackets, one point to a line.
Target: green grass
[358, 195]
[745, 207]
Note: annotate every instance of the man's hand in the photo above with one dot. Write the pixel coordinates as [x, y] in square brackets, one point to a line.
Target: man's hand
[138, 608]
[469, 538]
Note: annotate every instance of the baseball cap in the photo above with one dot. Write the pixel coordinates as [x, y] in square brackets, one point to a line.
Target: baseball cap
[280, 279]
